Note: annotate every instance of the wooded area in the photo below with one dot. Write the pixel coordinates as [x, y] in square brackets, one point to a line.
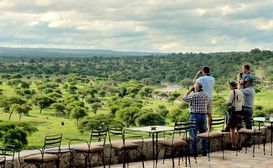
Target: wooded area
[96, 89]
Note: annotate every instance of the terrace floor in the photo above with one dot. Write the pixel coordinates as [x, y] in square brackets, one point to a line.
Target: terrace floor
[243, 160]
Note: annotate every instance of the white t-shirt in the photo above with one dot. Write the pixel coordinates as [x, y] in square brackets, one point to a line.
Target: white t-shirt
[208, 83]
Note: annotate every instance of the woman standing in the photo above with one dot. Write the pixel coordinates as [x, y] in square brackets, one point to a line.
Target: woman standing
[234, 103]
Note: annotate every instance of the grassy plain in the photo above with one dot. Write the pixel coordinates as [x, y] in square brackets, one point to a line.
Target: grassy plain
[48, 123]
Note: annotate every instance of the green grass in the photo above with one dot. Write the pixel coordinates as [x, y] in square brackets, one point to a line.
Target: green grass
[48, 123]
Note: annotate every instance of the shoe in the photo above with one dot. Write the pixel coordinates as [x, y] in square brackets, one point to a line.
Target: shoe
[239, 148]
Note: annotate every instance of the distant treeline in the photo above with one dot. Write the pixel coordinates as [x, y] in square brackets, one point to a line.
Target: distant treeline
[148, 69]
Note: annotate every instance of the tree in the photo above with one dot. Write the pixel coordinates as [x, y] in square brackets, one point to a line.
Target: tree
[59, 108]
[7, 102]
[187, 82]
[150, 118]
[78, 113]
[16, 133]
[42, 101]
[20, 109]
[128, 115]
[95, 106]
[218, 89]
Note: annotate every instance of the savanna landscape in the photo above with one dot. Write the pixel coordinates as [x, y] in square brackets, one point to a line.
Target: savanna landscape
[51, 93]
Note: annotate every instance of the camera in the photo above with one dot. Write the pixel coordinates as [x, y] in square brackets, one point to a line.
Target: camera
[241, 74]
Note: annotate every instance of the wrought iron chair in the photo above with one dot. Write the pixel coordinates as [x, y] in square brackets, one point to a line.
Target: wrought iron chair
[42, 159]
[7, 152]
[179, 140]
[90, 148]
[217, 125]
[125, 146]
[245, 129]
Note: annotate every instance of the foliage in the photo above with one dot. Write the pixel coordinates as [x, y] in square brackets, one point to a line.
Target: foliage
[150, 119]
[16, 133]
[128, 115]
[78, 113]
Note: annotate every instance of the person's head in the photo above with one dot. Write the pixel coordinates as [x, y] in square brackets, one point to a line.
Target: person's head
[232, 85]
[198, 86]
[248, 82]
[206, 70]
[246, 68]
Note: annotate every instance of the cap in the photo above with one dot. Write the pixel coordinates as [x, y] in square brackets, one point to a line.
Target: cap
[248, 79]
[232, 83]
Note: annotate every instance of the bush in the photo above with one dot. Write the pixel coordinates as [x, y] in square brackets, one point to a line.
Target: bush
[150, 119]
[259, 114]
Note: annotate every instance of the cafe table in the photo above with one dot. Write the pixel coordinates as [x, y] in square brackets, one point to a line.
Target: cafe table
[154, 131]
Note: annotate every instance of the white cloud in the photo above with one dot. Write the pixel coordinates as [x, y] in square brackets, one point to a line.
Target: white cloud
[34, 23]
[44, 2]
[151, 25]
[265, 25]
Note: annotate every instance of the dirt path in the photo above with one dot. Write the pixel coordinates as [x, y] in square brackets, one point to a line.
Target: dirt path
[169, 88]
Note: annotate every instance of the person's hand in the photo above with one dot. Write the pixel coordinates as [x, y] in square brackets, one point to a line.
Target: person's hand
[191, 89]
[199, 73]
[239, 76]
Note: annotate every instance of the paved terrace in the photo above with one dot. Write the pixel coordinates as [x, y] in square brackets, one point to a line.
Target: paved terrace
[243, 160]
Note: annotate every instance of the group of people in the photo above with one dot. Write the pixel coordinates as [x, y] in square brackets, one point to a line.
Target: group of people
[240, 101]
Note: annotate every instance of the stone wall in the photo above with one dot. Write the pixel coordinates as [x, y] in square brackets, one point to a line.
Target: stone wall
[78, 161]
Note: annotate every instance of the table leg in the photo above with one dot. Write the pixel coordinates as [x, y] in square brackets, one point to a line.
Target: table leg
[271, 136]
[153, 143]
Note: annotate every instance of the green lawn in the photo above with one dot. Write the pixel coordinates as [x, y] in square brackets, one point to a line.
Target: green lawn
[47, 123]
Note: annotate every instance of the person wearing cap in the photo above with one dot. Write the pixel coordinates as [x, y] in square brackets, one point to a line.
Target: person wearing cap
[207, 81]
[234, 103]
[249, 93]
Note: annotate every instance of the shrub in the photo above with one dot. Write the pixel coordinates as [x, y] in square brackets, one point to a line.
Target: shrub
[150, 119]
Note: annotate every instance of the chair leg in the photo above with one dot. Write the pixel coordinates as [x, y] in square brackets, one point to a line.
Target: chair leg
[222, 142]
[209, 149]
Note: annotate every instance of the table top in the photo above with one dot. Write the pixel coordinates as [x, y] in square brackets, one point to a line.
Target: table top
[260, 119]
[151, 129]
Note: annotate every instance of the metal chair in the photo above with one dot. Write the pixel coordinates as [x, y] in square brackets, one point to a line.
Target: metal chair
[7, 153]
[179, 140]
[90, 148]
[125, 146]
[42, 159]
[217, 125]
[250, 128]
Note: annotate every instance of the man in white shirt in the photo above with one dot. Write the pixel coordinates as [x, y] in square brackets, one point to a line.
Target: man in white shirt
[208, 83]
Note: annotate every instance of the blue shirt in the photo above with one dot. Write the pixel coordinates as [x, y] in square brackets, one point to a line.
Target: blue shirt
[248, 75]
[208, 83]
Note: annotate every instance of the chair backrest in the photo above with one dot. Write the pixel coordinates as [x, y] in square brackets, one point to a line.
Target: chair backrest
[245, 122]
[116, 131]
[217, 123]
[182, 128]
[7, 152]
[98, 135]
[52, 141]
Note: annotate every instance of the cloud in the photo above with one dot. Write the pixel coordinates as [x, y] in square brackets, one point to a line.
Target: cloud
[151, 25]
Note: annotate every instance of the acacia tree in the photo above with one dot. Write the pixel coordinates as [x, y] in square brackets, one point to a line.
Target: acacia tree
[20, 109]
[16, 133]
[128, 115]
[59, 108]
[42, 101]
[78, 113]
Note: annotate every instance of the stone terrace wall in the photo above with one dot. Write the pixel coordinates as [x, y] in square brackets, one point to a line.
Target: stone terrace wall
[147, 150]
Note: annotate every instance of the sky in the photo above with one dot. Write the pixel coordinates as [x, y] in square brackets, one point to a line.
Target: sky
[138, 25]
